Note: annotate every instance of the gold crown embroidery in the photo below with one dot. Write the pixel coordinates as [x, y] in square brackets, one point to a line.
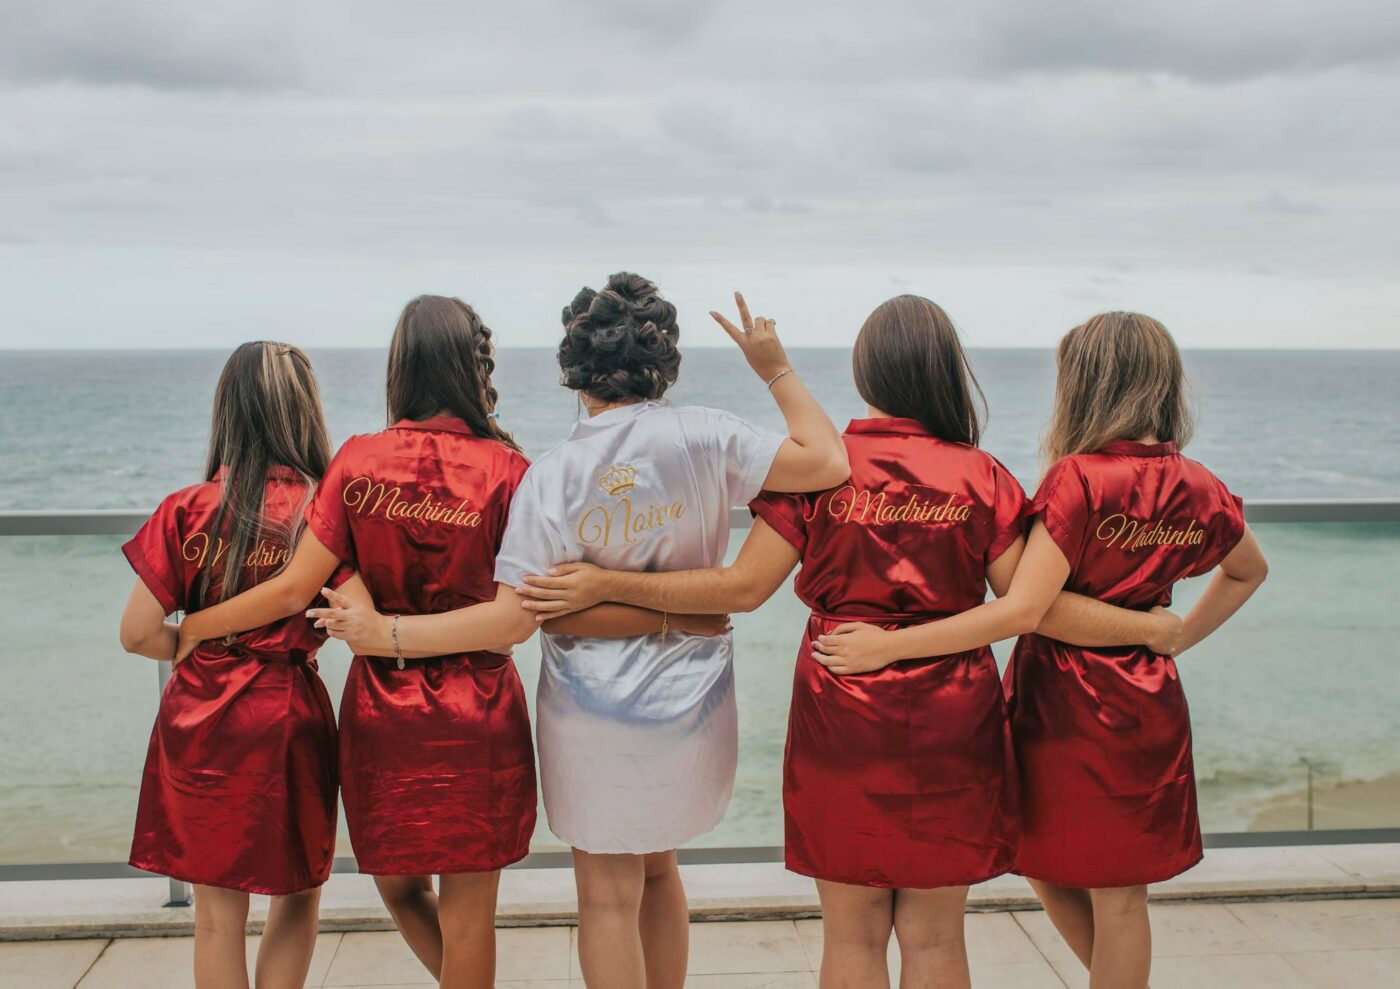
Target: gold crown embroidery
[618, 479]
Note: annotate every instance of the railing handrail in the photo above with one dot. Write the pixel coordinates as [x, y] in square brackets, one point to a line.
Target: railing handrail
[123, 522]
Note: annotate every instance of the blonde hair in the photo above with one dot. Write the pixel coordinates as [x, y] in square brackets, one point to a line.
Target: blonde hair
[1120, 376]
[267, 413]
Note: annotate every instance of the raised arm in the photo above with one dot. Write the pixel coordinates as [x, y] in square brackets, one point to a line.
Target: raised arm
[1237, 578]
[276, 598]
[813, 457]
[763, 563]
[144, 630]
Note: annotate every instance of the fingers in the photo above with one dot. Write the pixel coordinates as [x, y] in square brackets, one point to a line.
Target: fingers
[744, 316]
[735, 334]
[845, 628]
[336, 598]
[550, 607]
[535, 581]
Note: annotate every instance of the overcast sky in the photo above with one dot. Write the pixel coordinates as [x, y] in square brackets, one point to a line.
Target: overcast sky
[201, 174]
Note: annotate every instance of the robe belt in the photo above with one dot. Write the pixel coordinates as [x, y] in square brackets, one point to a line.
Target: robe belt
[902, 620]
[215, 649]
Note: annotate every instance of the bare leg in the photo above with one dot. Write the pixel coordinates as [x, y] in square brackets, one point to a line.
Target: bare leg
[665, 922]
[1122, 939]
[932, 949]
[414, 907]
[467, 913]
[220, 927]
[289, 938]
[856, 926]
[1072, 913]
[609, 906]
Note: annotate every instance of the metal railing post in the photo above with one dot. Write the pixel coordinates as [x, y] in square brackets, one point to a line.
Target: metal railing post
[181, 893]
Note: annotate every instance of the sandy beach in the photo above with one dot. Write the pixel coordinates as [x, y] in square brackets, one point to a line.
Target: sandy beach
[1336, 804]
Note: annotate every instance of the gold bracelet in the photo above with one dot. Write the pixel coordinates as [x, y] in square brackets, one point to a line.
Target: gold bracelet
[774, 380]
[394, 638]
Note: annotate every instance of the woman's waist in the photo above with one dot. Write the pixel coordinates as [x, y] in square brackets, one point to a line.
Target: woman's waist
[639, 658]
[480, 659]
[870, 616]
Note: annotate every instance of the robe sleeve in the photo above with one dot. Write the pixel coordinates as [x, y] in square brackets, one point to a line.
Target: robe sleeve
[1226, 526]
[1062, 503]
[154, 553]
[746, 452]
[532, 542]
[786, 513]
[327, 515]
[1009, 507]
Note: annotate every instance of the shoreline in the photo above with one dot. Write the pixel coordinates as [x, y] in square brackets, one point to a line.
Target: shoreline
[1338, 804]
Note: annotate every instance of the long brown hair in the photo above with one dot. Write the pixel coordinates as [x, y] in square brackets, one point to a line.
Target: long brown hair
[1119, 377]
[909, 363]
[267, 413]
[441, 360]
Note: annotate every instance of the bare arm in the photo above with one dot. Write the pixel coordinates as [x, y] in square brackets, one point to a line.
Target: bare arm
[1085, 621]
[494, 626]
[764, 562]
[1237, 578]
[813, 457]
[144, 630]
[274, 599]
[621, 621]
[1038, 576]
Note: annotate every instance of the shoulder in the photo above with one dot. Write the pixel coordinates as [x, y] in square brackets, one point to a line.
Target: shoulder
[1068, 475]
[1202, 477]
[195, 499]
[358, 445]
[700, 413]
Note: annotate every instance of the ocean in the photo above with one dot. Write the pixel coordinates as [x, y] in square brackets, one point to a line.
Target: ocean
[1306, 672]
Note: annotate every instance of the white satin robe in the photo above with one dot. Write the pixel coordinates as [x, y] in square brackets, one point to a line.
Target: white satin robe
[638, 737]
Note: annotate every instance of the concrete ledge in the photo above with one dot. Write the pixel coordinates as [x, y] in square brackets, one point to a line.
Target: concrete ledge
[100, 908]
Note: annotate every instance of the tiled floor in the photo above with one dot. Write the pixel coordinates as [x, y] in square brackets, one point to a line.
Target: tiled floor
[1265, 945]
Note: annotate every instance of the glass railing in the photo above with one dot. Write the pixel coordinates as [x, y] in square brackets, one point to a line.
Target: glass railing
[1293, 702]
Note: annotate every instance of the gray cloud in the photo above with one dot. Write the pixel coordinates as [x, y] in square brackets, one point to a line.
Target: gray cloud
[1004, 143]
[218, 44]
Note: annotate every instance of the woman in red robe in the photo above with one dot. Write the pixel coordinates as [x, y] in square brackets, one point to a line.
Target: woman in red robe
[899, 786]
[238, 794]
[1103, 735]
[437, 766]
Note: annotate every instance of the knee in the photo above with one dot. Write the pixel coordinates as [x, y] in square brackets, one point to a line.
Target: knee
[611, 895]
[221, 911]
[660, 868]
[402, 892]
[299, 904]
[1119, 902]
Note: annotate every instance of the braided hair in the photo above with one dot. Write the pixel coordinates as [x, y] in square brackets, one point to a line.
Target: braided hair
[441, 360]
[620, 343]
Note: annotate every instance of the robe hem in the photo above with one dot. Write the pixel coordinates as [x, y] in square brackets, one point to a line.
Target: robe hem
[258, 889]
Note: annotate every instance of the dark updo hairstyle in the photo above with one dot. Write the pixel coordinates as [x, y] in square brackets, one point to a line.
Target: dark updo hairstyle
[620, 343]
[441, 359]
[909, 363]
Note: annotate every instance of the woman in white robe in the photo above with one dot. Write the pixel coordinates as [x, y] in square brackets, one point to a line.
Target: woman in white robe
[637, 735]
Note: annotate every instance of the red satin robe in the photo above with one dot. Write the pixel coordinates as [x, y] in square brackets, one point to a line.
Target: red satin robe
[901, 778]
[240, 778]
[436, 764]
[1103, 735]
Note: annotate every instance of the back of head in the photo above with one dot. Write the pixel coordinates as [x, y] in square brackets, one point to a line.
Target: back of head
[440, 362]
[267, 413]
[620, 344]
[909, 363]
[1119, 377]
